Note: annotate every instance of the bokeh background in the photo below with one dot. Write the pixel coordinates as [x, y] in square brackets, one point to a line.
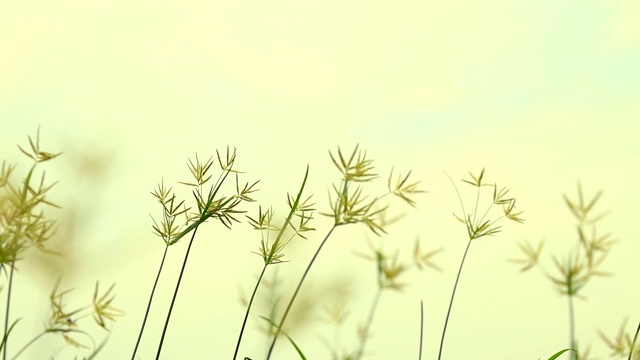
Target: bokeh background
[543, 94]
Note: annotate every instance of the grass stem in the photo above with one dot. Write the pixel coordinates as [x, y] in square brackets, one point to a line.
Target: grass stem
[367, 326]
[421, 328]
[28, 344]
[633, 343]
[6, 315]
[246, 315]
[572, 341]
[146, 314]
[453, 294]
[295, 294]
[175, 293]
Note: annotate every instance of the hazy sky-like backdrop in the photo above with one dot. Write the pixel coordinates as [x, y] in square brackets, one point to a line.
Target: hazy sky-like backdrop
[543, 94]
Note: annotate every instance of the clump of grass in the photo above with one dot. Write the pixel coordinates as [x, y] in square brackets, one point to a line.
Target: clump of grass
[25, 225]
[209, 204]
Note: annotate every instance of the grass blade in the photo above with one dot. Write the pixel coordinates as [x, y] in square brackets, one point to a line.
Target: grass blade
[556, 355]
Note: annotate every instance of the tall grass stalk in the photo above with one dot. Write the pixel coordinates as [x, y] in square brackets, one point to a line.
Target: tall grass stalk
[6, 316]
[421, 329]
[22, 221]
[246, 315]
[572, 327]
[578, 267]
[209, 206]
[367, 326]
[633, 343]
[453, 294]
[478, 227]
[146, 312]
[175, 294]
[272, 253]
[389, 270]
[351, 207]
[295, 293]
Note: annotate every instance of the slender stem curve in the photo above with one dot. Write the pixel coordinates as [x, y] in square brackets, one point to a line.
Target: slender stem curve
[246, 315]
[146, 314]
[295, 294]
[29, 344]
[633, 344]
[421, 328]
[6, 315]
[453, 294]
[367, 326]
[175, 293]
[572, 341]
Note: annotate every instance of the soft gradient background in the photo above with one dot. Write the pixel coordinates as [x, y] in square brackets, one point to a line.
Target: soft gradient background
[542, 93]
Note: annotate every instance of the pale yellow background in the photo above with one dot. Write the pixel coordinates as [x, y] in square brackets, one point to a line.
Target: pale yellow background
[541, 93]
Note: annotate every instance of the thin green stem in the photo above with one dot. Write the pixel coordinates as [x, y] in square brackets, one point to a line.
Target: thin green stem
[205, 213]
[367, 326]
[146, 314]
[633, 344]
[175, 293]
[572, 342]
[453, 294]
[269, 259]
[246, 315]
[295, 294]
[6, 315]
[29, 344]
[421, 328]
[23, 198]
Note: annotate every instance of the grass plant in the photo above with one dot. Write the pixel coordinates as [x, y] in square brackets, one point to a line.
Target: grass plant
[576, 269]
[211, 204]
[24, 225]
[480, 224]
[349, 206]
[221, 196]
[389, 269]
